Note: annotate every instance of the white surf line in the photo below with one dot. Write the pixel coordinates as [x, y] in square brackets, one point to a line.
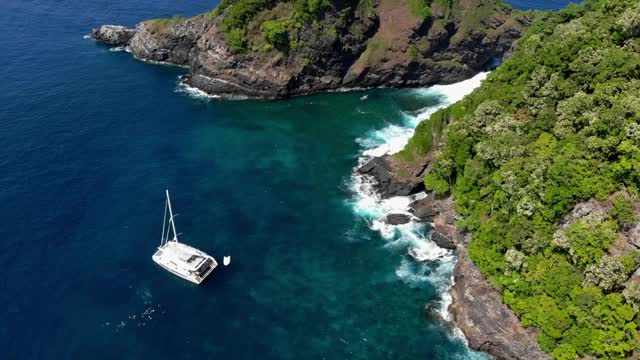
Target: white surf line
[368, 204]
[194, 92]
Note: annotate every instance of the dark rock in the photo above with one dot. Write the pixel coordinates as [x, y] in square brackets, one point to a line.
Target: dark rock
[633, 235]
[442, 240]
[391, 180]
[113, 34]
[397, 219]
[488, 324]
[424, 209]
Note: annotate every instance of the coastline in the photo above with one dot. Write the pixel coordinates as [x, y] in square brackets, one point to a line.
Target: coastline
[468, 303]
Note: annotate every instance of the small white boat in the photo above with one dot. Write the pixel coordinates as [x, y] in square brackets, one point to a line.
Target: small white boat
[226, 260]
[180, 259]
[365, 97]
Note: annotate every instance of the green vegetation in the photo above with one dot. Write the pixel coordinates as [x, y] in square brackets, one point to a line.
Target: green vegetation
[556, 124]
[279, 32]
[156, 25]
[310, 8]
[420, 8]
[365, 9]
[413, 52]
[276, 34]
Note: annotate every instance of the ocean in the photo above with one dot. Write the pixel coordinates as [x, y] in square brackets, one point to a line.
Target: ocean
[91, 138]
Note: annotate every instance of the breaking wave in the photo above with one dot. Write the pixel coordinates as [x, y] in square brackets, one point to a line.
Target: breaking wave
[425, 262]
[194, 92]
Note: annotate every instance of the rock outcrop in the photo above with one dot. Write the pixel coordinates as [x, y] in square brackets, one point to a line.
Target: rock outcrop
[170, 44]
[385, 46]
[113, 34]
[394, 177]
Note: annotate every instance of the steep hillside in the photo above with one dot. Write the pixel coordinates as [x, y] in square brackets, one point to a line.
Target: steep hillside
[274, 49]
[543, 161]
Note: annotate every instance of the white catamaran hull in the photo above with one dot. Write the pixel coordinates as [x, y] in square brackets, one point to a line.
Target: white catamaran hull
[169, 257]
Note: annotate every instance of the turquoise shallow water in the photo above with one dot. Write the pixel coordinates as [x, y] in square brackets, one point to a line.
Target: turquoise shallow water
[91, 138]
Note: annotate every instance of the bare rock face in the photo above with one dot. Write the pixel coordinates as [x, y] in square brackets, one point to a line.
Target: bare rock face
[488, 324]
[113, 34]
[171, 44]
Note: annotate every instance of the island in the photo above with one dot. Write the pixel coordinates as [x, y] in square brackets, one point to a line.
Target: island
[277, 49]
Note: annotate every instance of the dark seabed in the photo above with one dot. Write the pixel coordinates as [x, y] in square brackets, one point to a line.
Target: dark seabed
[91, 138]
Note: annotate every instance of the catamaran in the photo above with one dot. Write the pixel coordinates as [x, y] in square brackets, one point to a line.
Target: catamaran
[180, 259]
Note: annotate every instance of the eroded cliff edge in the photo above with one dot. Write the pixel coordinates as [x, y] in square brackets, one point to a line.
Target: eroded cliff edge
[344, 45]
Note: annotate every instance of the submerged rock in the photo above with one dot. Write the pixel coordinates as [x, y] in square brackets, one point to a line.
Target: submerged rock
[113, 34]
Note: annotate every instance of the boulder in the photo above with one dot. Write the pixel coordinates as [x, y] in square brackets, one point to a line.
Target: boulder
[424, 209]
[397, 219]
[113, 34]
[442, 240]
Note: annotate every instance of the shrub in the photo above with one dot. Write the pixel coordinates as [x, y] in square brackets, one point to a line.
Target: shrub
[608, 274]
[310, 8]
[622, 211]
[276, 34]
[237, 40]
[413, 52]
[420, 8]
[631, 294]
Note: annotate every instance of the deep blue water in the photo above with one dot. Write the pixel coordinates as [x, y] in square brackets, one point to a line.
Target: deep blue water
[90, 140]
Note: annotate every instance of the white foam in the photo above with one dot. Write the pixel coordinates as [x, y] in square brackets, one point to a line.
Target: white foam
[118, 49]
[409, 237]
[194, 92]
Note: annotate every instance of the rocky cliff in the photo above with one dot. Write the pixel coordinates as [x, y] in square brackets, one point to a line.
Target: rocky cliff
[487, 323]
[347, 44]
[477, 308]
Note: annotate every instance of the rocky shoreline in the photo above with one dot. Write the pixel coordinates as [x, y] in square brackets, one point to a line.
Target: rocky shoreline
[477, 308]
[386, 47]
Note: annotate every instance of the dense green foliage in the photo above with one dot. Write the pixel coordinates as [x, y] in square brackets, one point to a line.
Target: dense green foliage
[238, 15]
[420, 8]
[276, 34]
[556, 124]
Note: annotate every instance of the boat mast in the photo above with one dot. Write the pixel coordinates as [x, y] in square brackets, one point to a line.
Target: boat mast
[164, 225]
[173, 224]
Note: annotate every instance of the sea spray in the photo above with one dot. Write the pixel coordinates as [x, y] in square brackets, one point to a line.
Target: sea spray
[184, 88]
[428, 262]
